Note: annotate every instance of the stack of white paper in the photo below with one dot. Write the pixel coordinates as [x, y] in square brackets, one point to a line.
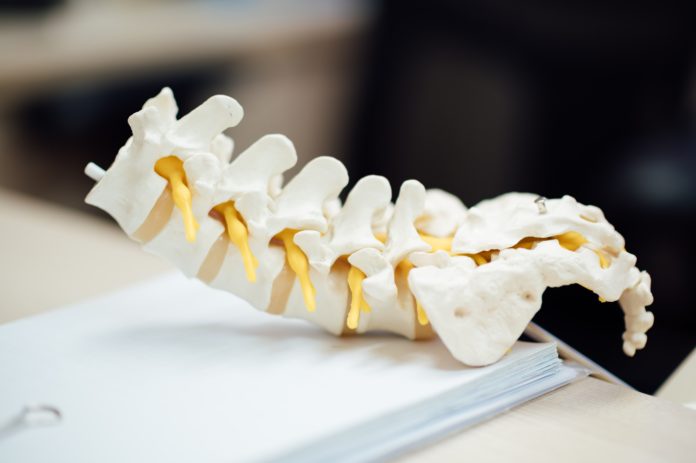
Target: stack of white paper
[174, 371]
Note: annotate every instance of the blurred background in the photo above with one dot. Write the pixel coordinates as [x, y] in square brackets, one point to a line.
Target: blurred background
[592, 99]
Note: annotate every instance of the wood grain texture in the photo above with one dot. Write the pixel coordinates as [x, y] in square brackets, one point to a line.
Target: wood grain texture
[588, 421]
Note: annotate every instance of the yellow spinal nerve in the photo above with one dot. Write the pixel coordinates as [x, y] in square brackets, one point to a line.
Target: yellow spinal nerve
[298, 263]
[239, 236]
[571, 240]
[438, 243]
[405, 267]
[171, 168]
[357, 301]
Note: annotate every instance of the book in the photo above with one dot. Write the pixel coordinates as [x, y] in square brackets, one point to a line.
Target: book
[172, 370]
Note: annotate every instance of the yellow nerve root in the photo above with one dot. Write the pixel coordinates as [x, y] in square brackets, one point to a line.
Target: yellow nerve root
[404, 267]
[604, 261]
[298, 263]
[172, 169]
[422, 317]
[239, 236]
[438, 243]
[571, 240]
[357, 301]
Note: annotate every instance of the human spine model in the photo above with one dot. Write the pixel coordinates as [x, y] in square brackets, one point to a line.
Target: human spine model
[421, 265]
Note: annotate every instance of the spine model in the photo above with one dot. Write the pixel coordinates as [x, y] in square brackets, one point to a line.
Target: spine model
[423, 265]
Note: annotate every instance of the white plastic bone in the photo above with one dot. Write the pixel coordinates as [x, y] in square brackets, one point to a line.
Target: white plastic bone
[479, 312]
[390, 312]
[479, 287]
[332, 300]
[231, 276]
[502, 222]
[402, 236]
[497, 300]
[248, 179]
[94, 172]
[203, 173]
[130, 188]
[351, 227]
[300, 206]
[222, 147]
[442, 214]
[638, 321]
[197, 130]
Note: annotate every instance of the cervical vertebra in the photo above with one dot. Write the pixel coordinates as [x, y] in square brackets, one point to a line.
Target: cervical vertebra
[425, 263]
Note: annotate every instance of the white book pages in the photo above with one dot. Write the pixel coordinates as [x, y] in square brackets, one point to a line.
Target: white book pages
[171, 370]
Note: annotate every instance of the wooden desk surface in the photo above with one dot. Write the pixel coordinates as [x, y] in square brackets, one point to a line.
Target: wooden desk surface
[52, 257]
[589, 421]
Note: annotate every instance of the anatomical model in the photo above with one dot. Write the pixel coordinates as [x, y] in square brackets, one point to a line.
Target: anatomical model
[423, 265]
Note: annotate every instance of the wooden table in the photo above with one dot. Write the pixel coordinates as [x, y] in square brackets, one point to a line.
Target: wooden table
[589, 421]
[52, 257]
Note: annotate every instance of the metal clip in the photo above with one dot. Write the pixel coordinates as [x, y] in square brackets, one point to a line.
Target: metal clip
[540, 201]
[31, 415]
[40, 415]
